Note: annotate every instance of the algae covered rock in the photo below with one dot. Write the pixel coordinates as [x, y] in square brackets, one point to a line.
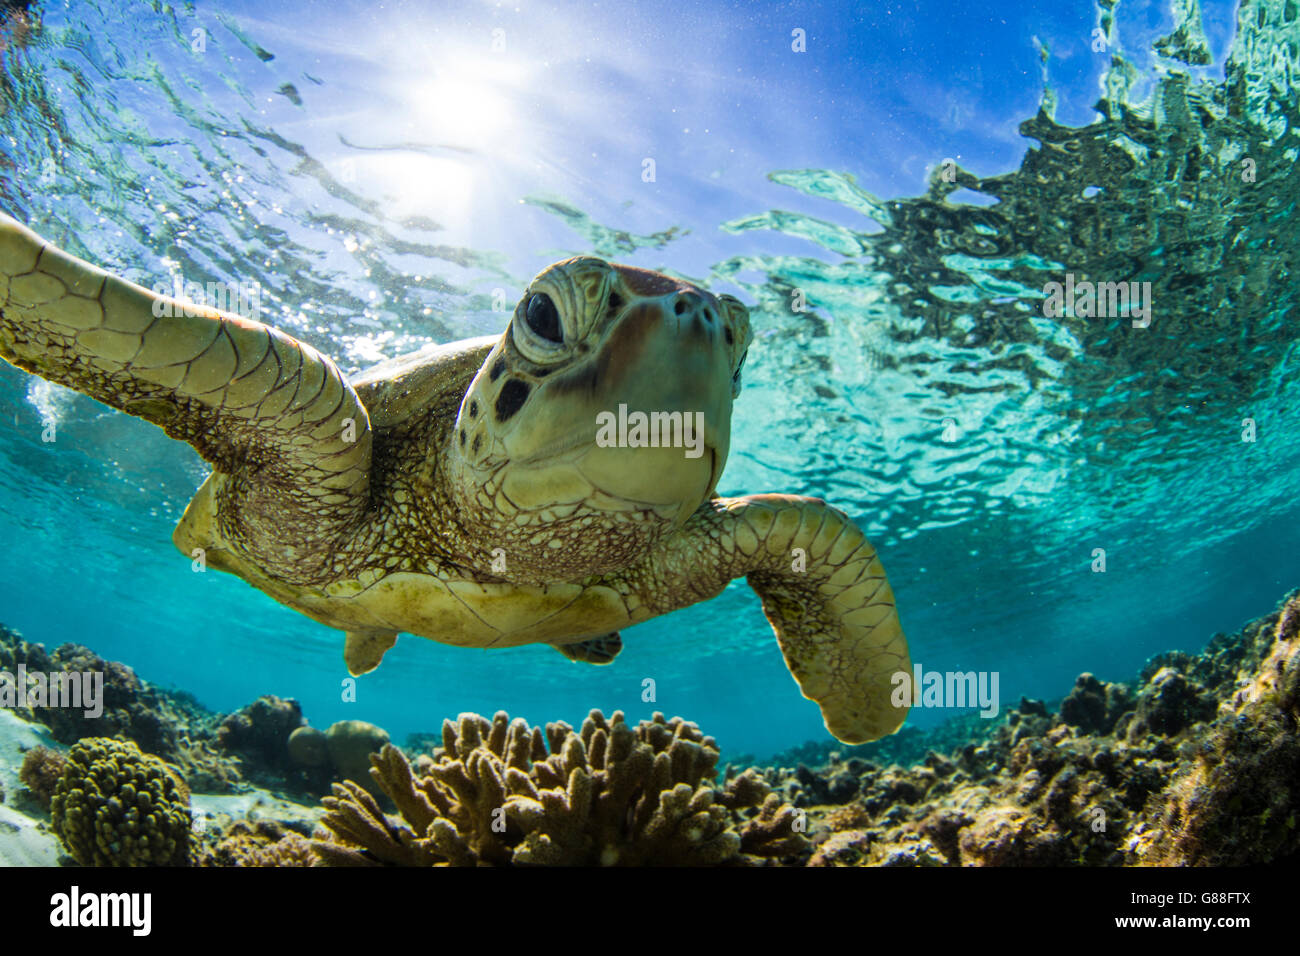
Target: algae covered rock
[1094, 706]
[1168, 704]
[114, 805]
[1238, 802]
[259, 733]
[308, 747]
[350, 744]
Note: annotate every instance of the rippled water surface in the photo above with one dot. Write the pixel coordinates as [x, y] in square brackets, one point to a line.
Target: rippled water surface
[391, 177]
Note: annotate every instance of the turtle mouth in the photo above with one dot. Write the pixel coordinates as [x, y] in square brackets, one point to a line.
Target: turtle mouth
[558, 448]
[582, 439]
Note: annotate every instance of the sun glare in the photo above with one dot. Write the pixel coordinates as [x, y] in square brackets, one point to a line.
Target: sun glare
[417, 184]
[470, 103]
[457, 120]
[461, 111]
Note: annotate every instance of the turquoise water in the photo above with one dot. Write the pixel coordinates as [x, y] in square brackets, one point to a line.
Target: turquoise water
[388, 176]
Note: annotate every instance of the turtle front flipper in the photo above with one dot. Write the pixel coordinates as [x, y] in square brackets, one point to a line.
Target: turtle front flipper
[595, 650]
[824, 592]
[250, 399]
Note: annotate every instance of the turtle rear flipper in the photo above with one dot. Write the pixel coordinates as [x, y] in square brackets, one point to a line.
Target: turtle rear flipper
[250, 400]
[595, 650]
[363, 650]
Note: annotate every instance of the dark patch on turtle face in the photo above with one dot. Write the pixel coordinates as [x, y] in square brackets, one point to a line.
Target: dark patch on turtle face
[623, 349]
[462, 438]
[647, 283]
[497, 368]
[513, 395]
[476, 444]
[473, 408]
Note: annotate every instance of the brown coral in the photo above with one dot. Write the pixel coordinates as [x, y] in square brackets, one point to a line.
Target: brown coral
[607, 795]
[40, 771]
[116, 806]
[257, 843]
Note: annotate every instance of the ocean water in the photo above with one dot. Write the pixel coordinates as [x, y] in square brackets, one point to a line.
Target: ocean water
[917, 174]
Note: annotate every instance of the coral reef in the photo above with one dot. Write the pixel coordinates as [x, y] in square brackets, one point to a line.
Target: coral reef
[273, 745]
[1239, 801]
[909, 746]
[267, 742]
[259, 734]
[40, 772]
[168, 723]
[1197, 764]
[116, 806]
[503, 793]
[257, 843]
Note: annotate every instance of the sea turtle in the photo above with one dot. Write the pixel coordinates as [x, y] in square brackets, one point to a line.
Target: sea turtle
[487, 493]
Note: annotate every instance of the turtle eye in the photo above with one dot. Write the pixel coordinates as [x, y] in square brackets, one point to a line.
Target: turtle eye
[543, 318]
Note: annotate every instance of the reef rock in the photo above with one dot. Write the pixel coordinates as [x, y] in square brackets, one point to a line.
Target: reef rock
[259, 733]
[1201, 766]
[349, 744]
[1239, 800]
[168, 723]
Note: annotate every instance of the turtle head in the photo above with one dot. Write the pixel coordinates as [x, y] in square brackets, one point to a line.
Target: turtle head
[605, 406]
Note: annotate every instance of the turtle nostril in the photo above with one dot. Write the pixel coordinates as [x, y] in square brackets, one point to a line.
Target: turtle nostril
[692, 302]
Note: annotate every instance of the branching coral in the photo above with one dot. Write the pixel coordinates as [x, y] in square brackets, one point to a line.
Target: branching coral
[503, 793]
[116, 806]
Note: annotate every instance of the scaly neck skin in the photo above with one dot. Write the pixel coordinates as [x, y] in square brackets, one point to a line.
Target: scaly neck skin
[564, 543]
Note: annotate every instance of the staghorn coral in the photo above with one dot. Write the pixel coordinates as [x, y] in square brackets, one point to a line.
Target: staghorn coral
[501, 793]
[116, 806]
[40, 772]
